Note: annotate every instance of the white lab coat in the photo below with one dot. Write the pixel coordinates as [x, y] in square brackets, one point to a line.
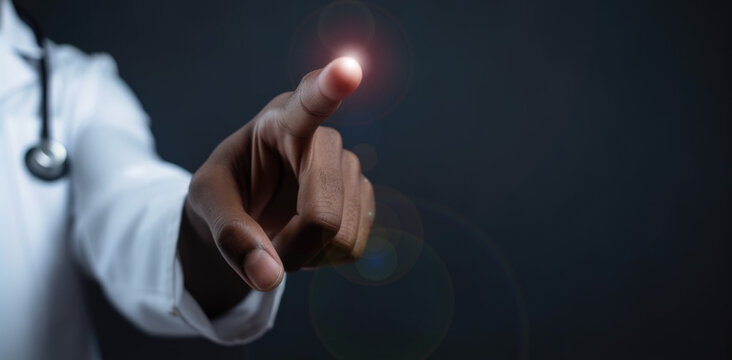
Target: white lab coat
[115, 217]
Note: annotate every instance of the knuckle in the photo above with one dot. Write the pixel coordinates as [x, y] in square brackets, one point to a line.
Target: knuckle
[276, 116]
[324, 219]
[330, 136]
[307, 76]
[230, 238]
[273, 114]
[310, 106]
[227, 232]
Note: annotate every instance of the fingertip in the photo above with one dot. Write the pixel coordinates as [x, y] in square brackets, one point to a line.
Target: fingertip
[340, 78]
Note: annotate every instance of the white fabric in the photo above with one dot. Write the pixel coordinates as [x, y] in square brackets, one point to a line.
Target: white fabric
[116, 216]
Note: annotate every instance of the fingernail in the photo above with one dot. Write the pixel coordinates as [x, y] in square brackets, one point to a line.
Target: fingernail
[262, 270]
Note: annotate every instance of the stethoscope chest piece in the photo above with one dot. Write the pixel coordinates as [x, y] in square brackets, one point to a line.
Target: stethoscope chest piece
[48, 160]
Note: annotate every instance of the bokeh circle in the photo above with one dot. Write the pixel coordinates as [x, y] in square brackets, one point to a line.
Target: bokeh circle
[344, 24]
[379, 260]
[493, 307]
[406, 319]
[371, 35]
[394, 244]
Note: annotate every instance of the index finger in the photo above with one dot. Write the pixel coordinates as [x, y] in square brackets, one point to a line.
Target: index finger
[319, 95]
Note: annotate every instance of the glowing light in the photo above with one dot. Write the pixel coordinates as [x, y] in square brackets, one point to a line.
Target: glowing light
[340, 78]
[371, 36]
[351, 66]
[354, 54]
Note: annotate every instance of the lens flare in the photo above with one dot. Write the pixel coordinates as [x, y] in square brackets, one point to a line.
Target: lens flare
[371, 36]
[404, 320]
[502, 321]
[346, 23]
[379, 260]
[340, 78]
[394, 244]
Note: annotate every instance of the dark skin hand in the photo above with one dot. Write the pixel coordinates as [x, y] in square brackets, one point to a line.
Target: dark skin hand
[279, 194]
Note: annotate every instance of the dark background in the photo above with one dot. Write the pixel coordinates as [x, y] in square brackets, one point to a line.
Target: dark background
[586, 141]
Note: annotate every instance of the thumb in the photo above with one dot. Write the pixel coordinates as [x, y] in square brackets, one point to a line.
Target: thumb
[240, 239]
[249, 251]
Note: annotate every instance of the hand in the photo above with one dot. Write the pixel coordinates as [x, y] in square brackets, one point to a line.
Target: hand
[280, 193]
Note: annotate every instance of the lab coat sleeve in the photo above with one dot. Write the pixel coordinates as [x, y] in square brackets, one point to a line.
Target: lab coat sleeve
[126, 216]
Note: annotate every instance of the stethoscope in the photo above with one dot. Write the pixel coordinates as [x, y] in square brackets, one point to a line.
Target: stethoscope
[48, 160]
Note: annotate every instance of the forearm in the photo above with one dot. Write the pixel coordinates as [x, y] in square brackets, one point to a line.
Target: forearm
[207, 276]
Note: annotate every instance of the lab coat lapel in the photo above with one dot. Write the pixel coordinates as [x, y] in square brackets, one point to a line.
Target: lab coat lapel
[18, 52]
[15, 72]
